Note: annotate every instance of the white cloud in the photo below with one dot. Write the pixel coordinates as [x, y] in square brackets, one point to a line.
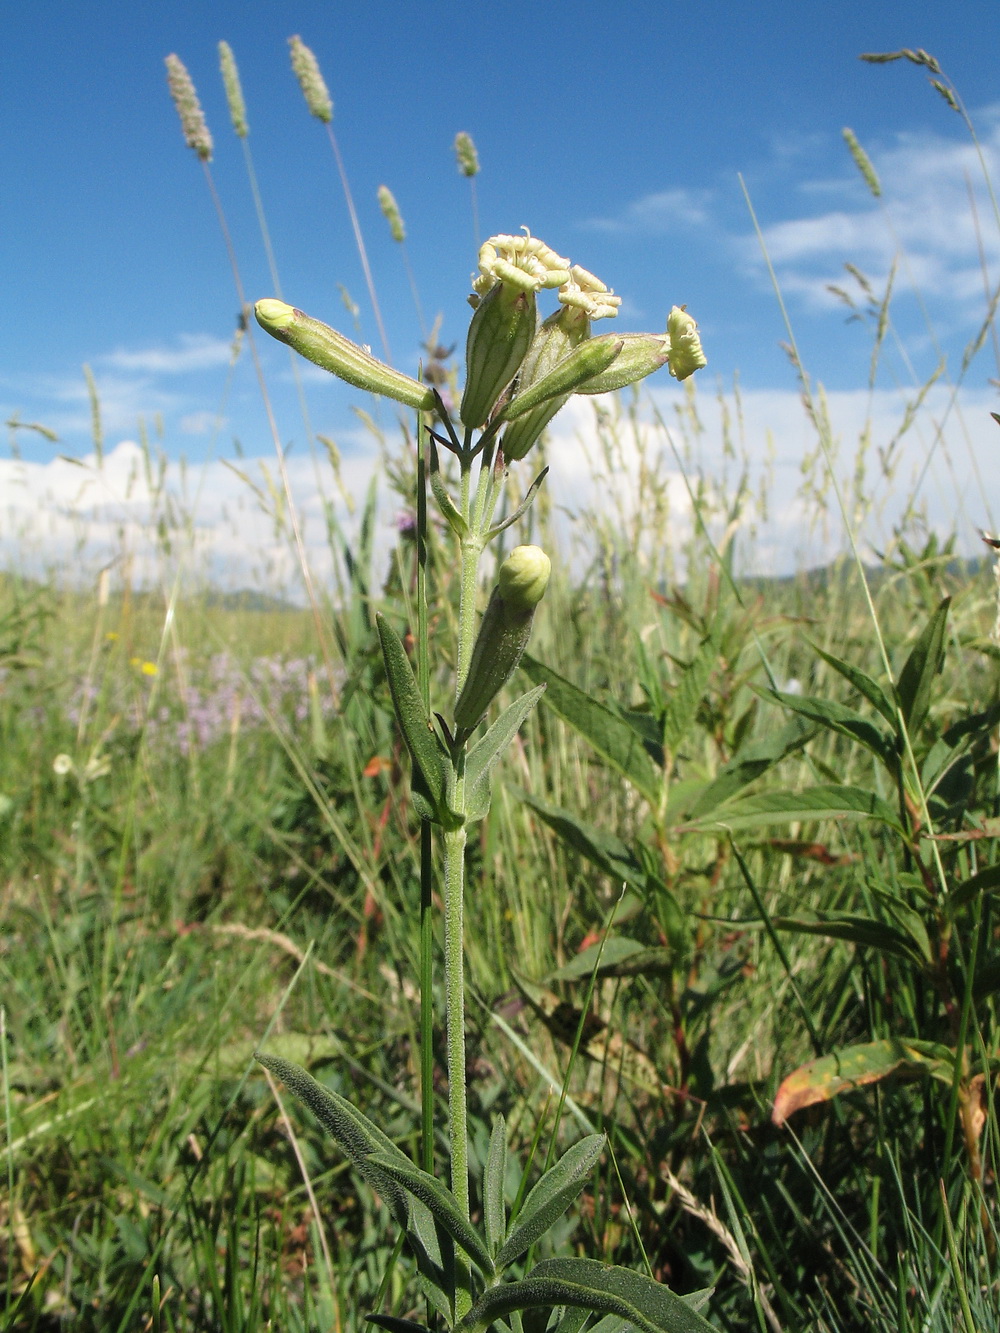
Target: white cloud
[611, 473]
[935, 212]
[197, 351]
[657, 213]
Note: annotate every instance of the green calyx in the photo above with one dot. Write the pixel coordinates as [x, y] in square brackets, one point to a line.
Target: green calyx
[500, 334]
[503, 634]
[638, 356]
[327, 348]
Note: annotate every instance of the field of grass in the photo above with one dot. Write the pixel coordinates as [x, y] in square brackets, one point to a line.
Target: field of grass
[732, 907]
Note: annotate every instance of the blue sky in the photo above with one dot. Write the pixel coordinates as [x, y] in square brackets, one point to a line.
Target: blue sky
[618, 140]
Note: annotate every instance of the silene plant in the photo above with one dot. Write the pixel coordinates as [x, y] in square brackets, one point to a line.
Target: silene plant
[519, 372]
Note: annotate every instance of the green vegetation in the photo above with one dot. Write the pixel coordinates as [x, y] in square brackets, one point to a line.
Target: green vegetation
[733, 909]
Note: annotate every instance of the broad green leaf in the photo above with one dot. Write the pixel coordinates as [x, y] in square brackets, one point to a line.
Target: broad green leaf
[857, 930]
[484, 755]
[863, 683]
[682, 710]
[551, 1196]
[986, 881]
[838, 717]
[821, 1079]
[824, 802]
[494, 1208]
[425, 750]
[610, 735]
[753, 760]
[610, 854]
[441, 1202]
[356, 1136]
[647, 1305]
[619, 957]
[913, 689]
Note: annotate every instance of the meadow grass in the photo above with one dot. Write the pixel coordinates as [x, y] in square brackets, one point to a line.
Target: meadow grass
[209, 845]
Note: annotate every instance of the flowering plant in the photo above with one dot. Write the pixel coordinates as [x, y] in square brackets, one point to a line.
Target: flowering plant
[519, 373]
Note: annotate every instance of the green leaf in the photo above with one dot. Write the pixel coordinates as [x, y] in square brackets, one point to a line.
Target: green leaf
[986, 881]
[484, 755]
[610, 735]
[619, 957]
[863, 683]
[916, 679]
[393, 1324]
[494, 1208]
[441, 1202]
[551, 1196]
[682, 710]
[648, 1306]
[356, 1136]
[425, 750]
[857, 930]
[854, 1067]
[748, 765]
[824, 802]
[610, 854]
[839, 718]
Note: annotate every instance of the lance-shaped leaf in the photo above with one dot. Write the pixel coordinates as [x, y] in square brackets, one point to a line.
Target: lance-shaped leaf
[551, 1196]
[840, 718]
[682, 707]
[393, 1324]
[486, 753]
[619, 956]
[494, 1208]
[860, 930]
[428, 758]
[747, 765]
[863, 683]
[647, 1305]
[854, 1067]
[824, 802]
[986, 881]
[611, 736]
[356, 1136]
[916, 679]
[610, 854]
[441, 1202]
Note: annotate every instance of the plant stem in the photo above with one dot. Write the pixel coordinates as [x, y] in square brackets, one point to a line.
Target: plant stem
[454, 983]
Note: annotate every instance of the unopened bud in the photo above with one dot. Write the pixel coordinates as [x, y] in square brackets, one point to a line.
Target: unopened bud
[686, 355]
[640, 355]
[556, 338]
[500, 334]
[590, 358]
[503, 634]
[327, 348]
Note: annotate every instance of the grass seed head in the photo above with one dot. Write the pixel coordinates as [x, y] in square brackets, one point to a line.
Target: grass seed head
[314, 90]
[196, 133]
[234, 92]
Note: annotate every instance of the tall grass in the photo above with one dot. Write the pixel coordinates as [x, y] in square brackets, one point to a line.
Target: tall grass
[207, 835]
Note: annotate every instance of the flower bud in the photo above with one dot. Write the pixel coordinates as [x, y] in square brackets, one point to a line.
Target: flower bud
[590, 358]
[503, 634]
[686, 355]
[640, 355]
[500, 334]
[318, 343]
[556, 338]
